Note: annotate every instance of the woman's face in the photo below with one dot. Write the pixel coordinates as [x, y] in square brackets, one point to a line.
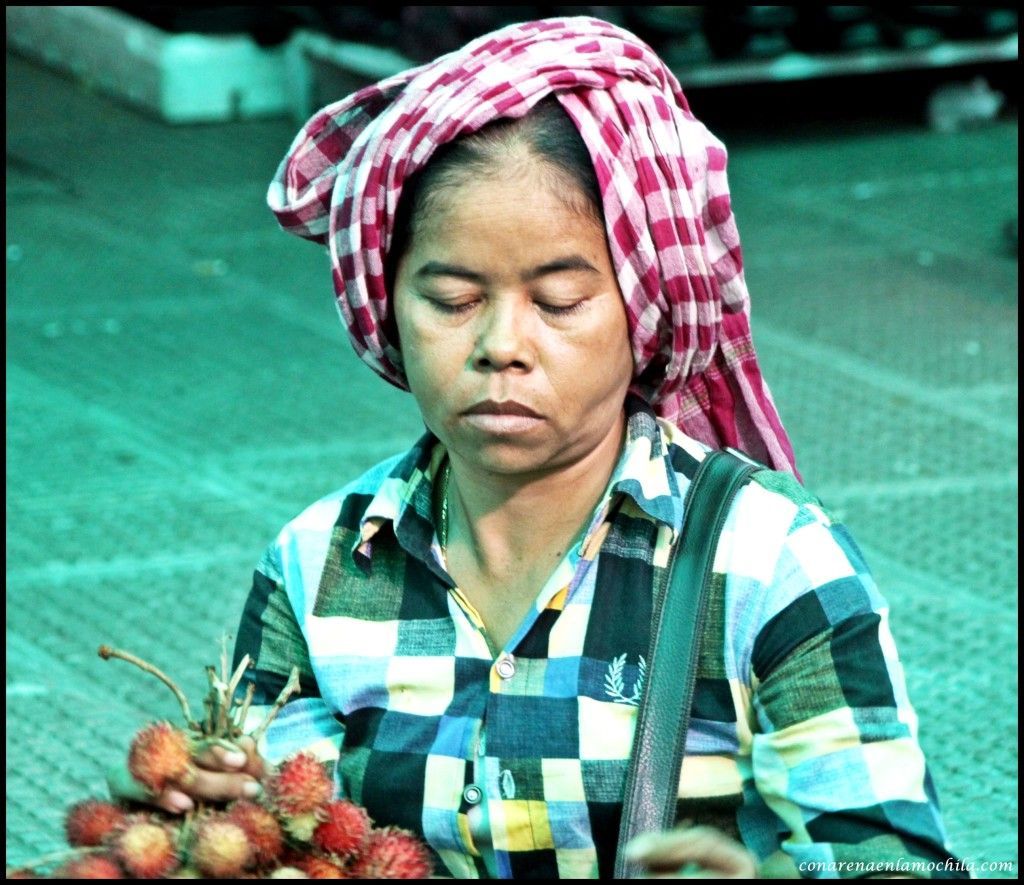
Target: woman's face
[512, 326]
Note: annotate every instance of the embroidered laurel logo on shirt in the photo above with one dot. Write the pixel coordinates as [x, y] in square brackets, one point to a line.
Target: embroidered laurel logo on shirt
[615, 684]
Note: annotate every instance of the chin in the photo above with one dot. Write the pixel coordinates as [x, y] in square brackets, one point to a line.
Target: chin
[505, 463]
[514, 459]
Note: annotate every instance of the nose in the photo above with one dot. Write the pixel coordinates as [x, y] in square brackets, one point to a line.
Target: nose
[504, 338]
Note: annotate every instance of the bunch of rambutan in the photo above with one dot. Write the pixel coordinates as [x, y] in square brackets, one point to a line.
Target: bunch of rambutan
[296, 830]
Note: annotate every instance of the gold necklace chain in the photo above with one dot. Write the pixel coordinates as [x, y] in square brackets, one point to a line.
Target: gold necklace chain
[443, 528]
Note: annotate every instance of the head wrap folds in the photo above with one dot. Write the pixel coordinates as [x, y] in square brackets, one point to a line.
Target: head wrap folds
[668, 218]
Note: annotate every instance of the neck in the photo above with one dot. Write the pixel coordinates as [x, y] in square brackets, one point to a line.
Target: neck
[508, 523]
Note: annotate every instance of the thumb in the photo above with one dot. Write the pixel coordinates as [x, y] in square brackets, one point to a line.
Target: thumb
[254, 765]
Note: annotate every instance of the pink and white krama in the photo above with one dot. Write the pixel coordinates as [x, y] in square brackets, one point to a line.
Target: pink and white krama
[667, 211]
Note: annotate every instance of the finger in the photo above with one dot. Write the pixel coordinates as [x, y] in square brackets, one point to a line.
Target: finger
[220, 755]
[124, 787]
[696, 849]
[698, 852]
[174, 801]
[219, 786]
[706, 852]
[240, 755]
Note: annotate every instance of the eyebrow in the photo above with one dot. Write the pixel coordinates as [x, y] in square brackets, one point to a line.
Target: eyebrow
[559, 265]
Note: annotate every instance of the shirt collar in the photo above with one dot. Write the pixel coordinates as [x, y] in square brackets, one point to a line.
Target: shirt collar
[404, 502]
[644, 473]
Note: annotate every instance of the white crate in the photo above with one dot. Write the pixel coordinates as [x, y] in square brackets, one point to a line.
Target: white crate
[323, 69]
[182, 78]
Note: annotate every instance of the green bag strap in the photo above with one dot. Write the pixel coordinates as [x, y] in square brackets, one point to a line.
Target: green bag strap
[663, 717]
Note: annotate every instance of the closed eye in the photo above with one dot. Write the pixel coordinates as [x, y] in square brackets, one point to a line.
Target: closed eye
[452, 307]
[562, 309]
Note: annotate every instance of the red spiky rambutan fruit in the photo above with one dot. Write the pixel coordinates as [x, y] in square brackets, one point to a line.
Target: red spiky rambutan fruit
[300, 827]
[221, 849]
[90, 866]
[392, 853]
[145, 848]
[160, 753]
[320, 868]
[261, 828]
[89, 822]
[343, 829]
[300, 785]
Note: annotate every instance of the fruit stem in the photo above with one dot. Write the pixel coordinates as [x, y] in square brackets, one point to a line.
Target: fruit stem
[188, 824]
[216, 696]
[291, 686]
[236, 677]
[208, 722]
[106, 652]
[224, 658]
[243, 711]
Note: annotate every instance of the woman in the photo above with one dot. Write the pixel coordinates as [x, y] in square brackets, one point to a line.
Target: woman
[533, 235]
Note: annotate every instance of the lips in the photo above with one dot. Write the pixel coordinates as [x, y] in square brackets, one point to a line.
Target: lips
[507, 407]
[502, 420]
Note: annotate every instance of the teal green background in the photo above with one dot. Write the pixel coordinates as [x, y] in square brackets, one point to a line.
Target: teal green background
[179, 385]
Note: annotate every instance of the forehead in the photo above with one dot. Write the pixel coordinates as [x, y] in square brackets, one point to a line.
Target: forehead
[516, 205]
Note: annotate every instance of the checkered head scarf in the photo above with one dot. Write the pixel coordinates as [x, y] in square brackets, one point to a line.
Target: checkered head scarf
[670, 227]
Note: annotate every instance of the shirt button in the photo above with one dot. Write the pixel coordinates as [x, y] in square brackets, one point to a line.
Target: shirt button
[506, 668]
[472, 794]
[508, 785]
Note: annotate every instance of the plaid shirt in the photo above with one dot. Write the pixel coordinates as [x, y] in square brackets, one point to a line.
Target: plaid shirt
[802, 740]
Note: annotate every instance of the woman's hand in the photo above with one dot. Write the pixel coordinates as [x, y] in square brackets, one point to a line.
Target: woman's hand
[217, 775]
[692, 853]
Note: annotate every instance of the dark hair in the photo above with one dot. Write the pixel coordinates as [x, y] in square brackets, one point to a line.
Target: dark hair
[546, 131]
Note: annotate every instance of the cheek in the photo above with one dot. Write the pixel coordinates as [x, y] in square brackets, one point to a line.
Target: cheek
[427, 355]
[621, 344]
[596, 370]
[612, 351]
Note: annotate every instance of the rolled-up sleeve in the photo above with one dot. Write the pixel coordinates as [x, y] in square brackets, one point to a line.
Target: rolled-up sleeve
[270, 634]
[837, 784]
